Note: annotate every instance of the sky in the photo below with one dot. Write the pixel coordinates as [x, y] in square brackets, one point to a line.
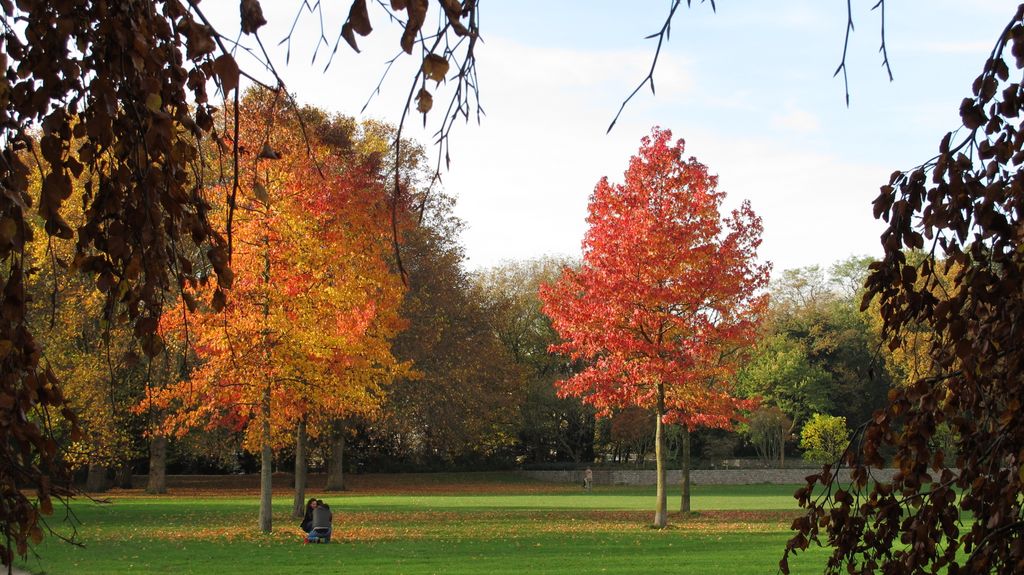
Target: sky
[749, 87]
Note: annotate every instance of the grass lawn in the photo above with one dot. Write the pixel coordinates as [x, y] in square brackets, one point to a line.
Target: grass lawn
[438, 523]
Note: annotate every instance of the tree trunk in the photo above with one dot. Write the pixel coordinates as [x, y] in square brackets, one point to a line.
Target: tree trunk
[782, 450]
[299, 505]
[684, 480]
[266, 466]
[335, 467]
[123, 476]
[266, 451]
[661, 509]
[157, 480]
[96, 481]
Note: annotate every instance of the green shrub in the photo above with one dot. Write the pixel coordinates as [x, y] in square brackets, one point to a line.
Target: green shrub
[824, 438]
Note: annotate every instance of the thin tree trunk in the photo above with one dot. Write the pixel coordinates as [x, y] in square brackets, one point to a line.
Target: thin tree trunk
[661, 509]
[266, 451]
[266, 466]
[157, 480]
[96, 481]
[123, 476]
[335, 467]
[782, 451]
[299, 505]
[684, 480]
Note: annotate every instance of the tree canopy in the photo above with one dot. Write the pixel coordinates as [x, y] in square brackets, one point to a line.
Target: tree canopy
[667, 290]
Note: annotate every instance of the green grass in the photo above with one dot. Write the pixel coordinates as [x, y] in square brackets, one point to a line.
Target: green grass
[490, 526]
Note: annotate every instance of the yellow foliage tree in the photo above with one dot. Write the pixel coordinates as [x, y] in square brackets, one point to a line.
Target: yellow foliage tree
[305, 335]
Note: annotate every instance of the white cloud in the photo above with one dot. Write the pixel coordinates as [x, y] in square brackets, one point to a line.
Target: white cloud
[796, 119]
[816, 206]
[982, 47]
[524, 179]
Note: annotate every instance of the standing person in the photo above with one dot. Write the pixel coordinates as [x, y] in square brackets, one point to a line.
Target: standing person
[588, 480]
[321, 523]
[307, 517]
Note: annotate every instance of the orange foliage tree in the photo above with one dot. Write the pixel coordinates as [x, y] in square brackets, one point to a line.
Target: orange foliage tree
[667, 288]
[305, 336]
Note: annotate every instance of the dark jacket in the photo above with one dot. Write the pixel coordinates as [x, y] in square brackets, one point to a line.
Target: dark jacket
[307, 520]
[321, 517]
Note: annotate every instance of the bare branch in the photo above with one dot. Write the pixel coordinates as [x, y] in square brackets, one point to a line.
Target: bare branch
[661, 35]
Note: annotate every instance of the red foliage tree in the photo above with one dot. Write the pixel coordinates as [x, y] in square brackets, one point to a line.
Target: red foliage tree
[667, 290]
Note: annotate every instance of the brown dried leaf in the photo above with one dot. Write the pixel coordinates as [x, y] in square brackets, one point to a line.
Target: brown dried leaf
[346, 33]
[971, 114]
[424, 101]
[435, 67]
[252, 16]
[56, 226]
[359, 18]
[219, 300]
[268, 153]
[8, 229]
[199, 41]
[145, 326]
[417, 10]
[260, 192]
[227, 70]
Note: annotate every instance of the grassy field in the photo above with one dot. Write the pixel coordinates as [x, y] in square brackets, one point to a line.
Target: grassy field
[476, 523]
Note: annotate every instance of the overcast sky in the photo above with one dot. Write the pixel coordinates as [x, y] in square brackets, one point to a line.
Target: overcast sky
[749, 88]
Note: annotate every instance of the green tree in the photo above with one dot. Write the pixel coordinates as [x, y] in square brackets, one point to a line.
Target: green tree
[463, 400]
[550, 427]
[824, 438]
[782, 376]
[769, 428]
[846, 374]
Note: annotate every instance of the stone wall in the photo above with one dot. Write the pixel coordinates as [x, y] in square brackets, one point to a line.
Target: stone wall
[697, 476]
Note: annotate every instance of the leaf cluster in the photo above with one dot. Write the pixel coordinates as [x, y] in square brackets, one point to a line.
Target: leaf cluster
[117, 90]
[952, 512]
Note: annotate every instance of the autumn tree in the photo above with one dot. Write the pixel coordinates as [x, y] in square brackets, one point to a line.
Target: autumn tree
[944, 512]
[103, 378]
[666, 289]
[306, 335]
